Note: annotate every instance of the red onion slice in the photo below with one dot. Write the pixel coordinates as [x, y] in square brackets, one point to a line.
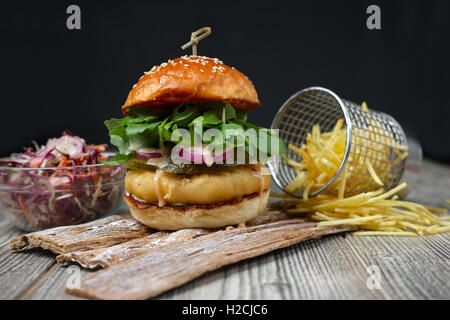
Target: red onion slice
[203, 155]
[224, 156]
[68, 145]
[43, 154]
[194, 155]
[56, 181]
[148, 153]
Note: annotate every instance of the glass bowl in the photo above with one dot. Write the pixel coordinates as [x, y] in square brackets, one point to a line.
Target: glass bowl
[41, 198]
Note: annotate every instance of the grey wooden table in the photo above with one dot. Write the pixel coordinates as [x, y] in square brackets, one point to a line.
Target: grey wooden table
[333, 267]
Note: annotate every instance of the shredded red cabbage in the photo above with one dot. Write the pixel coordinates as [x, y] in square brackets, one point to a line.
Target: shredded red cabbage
[59, 183]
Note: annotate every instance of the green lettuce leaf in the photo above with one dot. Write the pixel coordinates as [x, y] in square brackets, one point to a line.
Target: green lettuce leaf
[155, 127]
[118, 158]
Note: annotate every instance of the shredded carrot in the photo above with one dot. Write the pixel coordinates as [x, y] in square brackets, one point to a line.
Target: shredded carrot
[95, 178]
[79, 161]
[64, 162]
[100, 147]
[61, 163]
[27, 214]
[35, 164]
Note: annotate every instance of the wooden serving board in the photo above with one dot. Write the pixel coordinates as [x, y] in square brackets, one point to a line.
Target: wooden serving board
[132, 261]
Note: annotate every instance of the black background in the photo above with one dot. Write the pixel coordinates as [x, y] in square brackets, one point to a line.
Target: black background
[53, 78]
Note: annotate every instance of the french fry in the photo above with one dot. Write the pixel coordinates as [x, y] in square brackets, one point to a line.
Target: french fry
[322, 154]
[373, 174]
[373, 213]
[364, 107]
[437, 210]
[353, 221]
[385, 233]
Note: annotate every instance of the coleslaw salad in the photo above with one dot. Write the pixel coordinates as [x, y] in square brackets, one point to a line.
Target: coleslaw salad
[60, 183]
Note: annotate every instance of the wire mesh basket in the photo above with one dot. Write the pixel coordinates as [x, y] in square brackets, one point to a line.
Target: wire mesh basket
[371, 136]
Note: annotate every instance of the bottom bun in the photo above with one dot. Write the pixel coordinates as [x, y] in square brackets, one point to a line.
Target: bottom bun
[202, 216]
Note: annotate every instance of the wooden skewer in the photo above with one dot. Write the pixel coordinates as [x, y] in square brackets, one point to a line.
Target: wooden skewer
[196, 36]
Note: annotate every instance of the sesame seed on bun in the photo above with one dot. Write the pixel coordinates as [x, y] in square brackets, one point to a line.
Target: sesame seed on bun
[192, 79]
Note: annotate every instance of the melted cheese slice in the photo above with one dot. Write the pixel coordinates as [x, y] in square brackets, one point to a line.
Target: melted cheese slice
[162, 187]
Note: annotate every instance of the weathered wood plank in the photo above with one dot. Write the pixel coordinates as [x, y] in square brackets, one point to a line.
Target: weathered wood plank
[433, 185]
[411, 267]
[316, 269]
[165, 268]
[52, 288]
[298, 272]
[18, 271]
[106, 257]
[332, 267]
[327, 268]
[97, 234]
[7, 231]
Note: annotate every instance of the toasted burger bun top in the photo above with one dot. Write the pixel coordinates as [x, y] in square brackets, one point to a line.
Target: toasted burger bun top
[192, 79]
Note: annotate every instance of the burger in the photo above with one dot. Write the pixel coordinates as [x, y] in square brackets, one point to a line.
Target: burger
[192, 159]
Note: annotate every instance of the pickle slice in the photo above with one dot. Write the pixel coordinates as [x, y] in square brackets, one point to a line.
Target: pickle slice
[182, 168]
[139, 164]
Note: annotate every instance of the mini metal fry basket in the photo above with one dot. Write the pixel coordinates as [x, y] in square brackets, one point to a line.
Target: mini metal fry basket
[370, 136]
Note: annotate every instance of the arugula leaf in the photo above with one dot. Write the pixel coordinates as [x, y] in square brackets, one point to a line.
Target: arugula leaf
[235, 139]
[138, 128]
[241, 115]
[112, 123]
[138, 119]
[120, 143]
[282, 149]
[153, 127]
[118, 137]
[231, 130]
[209, 119]
[118, 158]
[230, 112]
[218, 108]
[160, 127]
[146, 139]
[266, 145]
[139, 111]
[167, 130]
[184, 114]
